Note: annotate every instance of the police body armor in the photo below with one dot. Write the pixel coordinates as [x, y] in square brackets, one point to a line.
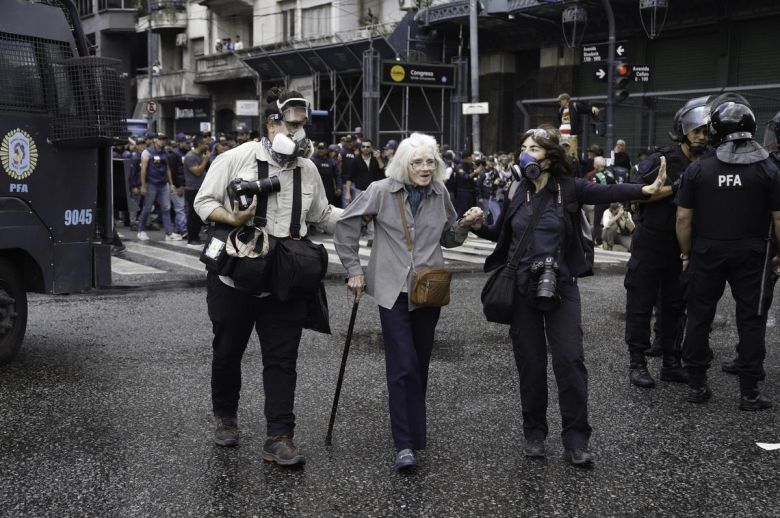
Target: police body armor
[658, 219]
[733, 203]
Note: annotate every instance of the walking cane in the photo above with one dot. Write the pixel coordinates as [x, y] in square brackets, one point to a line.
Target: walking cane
[351, 327]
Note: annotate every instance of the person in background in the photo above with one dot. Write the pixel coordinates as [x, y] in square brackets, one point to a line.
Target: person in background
[414, 181]
[196, 163]
[570, 122]
[617, 227]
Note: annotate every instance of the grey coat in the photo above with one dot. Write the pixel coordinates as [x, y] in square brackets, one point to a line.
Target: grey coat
[390, 267]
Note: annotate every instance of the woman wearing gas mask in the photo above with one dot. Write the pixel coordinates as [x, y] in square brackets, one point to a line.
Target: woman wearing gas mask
[540, 221]
[413, 218]
[291, 197]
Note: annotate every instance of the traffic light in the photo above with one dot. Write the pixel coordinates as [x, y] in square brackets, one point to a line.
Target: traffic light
[622, 79]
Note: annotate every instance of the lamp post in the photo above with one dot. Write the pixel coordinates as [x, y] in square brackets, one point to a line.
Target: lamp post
[474, 59]
[610, 75]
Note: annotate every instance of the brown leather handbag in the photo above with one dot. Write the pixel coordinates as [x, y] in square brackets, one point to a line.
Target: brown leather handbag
[430, 286]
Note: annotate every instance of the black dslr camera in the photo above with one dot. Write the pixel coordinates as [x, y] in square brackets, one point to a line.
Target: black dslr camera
[545, 295]
[243, 191]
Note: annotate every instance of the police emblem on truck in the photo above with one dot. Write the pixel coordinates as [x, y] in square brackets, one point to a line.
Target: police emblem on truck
[18, 154]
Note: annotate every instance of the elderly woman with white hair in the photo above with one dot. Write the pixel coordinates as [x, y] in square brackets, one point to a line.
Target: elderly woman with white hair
[414, 184]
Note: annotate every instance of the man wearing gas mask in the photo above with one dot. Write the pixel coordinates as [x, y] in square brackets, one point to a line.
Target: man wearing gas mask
[281, 151]
[653, 272]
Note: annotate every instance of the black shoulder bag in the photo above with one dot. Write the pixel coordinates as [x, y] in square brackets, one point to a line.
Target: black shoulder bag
[299, 264]
[498, 295]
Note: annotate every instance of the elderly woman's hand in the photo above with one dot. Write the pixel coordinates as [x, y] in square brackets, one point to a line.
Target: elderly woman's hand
[357, 285]
[472, 219]
[649, 190]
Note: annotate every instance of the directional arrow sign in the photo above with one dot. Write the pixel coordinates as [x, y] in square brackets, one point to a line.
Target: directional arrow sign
[620, 50]
[600, 74]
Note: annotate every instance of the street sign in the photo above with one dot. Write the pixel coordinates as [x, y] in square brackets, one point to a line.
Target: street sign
[414, 74]
[247, 107]
[475, 108]
[641, 73]
[151, 107]
[601, 74]
[595, 52]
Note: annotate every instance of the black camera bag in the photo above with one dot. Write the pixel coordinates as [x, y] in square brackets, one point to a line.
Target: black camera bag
[253, 274]
[498, 295]
[214, 254]
[299, 264]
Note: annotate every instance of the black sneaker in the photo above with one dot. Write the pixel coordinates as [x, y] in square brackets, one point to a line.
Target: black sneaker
[641, 377]
[580, 458]
[757, 402]
[405, 461]
[226, 433]
[282, 450]
[700, 394]
[534, 449]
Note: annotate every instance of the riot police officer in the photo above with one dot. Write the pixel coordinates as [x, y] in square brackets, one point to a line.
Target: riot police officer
[654, 267]
[735, 178]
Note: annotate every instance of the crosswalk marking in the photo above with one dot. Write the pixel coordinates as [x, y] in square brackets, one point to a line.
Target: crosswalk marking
[121, 266]
[473, 252]
[184, 260]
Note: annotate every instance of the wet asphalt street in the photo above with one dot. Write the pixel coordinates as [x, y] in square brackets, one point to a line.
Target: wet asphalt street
[106, 412]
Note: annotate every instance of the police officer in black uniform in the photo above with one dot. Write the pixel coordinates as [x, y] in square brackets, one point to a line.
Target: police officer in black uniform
[654, 268]
[726, 202]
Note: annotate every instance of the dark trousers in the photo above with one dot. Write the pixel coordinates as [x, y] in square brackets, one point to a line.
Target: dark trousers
[653, 276]
[279, 326]
[408, 338]
[531, 330]
[741, 265]
[194, 223]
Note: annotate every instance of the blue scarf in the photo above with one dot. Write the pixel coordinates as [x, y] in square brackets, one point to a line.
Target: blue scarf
[415, 196]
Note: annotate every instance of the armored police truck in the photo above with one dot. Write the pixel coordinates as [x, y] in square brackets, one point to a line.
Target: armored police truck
[60, 110]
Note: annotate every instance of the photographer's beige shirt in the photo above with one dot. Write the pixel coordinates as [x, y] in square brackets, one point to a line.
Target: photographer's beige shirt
[241, 162]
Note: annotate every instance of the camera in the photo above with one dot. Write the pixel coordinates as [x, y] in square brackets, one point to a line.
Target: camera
[546, 292]
[243, 191]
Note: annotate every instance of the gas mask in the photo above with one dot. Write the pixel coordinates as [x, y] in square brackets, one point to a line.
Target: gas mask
[292, 146]
[529, 166]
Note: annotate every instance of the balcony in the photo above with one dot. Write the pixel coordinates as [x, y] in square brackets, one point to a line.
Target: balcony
[220, 67]
[164, 15]
[229, 7]
[173, 86]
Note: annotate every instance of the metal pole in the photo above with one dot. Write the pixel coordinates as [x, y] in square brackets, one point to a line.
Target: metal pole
[149, 61]
[474, 58]
[610, 76]
[340, 381]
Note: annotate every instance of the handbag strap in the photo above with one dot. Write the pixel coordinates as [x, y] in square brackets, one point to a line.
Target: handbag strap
[400, 202]
[529, 230]
[262, 201]
[295, 221]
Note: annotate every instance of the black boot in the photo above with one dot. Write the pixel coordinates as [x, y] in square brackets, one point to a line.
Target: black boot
[698, 391]
[729, 366]
[750, 398]
[672, 370]
[638, 373]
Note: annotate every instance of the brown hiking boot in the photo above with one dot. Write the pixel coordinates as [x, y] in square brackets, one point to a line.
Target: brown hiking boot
[226, 433]
[283, 451]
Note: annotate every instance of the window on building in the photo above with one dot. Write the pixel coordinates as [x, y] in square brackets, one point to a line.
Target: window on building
[85, 7]
[198, 46]
[288, 24]
[316, 21]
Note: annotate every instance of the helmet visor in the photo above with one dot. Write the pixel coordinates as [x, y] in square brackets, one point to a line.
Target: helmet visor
[694, 118]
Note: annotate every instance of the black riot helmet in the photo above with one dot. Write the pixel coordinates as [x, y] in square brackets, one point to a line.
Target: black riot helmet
[694, 114]
[731, 121]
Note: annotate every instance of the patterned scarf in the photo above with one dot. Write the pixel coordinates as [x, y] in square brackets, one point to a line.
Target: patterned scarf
[284, 161]
[416, 194]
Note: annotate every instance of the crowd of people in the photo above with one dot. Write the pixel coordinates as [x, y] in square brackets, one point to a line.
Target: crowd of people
[672, 210]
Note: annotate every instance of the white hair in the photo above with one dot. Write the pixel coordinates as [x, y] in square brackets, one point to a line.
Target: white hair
[599, 161]
[399, 167]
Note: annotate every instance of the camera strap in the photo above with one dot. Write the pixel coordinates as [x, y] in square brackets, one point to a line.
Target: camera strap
[514, 261]
[262, 201]
[295, 219]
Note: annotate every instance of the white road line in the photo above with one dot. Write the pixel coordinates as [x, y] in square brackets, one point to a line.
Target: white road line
[183, 260]
[124, 267]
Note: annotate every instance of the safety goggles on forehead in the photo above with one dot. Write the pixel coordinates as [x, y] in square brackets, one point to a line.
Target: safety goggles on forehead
[539, 132]
[295, 110]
